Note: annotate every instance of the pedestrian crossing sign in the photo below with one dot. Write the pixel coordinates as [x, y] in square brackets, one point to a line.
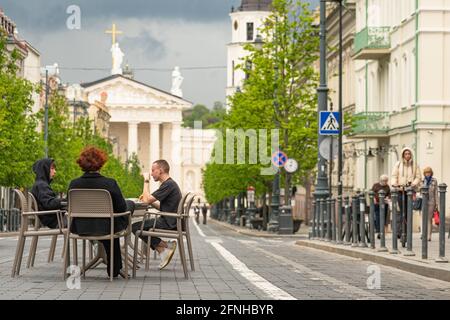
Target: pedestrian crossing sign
[329, 123]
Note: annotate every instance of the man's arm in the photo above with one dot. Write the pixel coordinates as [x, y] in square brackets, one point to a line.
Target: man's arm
[146, 196]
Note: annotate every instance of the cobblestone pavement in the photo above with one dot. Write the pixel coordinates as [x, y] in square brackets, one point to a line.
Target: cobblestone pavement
[228, 266]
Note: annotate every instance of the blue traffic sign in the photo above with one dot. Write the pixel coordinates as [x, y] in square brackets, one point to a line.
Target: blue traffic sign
[329, 123]
[279, 158]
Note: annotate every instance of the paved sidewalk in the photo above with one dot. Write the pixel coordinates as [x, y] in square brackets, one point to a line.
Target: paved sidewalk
[302, 233]
[426, 267]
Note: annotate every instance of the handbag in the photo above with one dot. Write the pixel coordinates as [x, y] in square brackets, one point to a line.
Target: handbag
[417, 203]
[436, 217]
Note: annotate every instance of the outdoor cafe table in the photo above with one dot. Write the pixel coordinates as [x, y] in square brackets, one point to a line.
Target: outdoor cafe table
[100, 257]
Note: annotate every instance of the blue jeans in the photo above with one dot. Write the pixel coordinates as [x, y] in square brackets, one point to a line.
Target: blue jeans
[377, 217]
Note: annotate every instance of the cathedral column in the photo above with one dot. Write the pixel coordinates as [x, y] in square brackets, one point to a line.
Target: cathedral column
[176, 153]
[132, 138]
[154, 149]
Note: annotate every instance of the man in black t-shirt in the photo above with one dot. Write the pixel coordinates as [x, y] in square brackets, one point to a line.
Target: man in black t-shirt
[169, 196]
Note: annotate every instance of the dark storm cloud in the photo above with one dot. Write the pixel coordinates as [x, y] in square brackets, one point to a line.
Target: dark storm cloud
[146, 44]
[48, 14]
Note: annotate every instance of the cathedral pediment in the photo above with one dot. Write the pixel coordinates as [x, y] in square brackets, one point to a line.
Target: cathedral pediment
[125, 92]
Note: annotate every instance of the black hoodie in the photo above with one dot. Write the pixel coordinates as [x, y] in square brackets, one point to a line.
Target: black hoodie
[45, 196]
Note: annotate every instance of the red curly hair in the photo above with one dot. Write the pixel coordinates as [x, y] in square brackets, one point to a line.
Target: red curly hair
[92, 159]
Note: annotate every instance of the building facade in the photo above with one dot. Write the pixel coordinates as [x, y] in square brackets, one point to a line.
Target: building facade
[398, 76]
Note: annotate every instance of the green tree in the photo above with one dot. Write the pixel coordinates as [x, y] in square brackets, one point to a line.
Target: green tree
[195, 114]
[20, 145]
[279, 92]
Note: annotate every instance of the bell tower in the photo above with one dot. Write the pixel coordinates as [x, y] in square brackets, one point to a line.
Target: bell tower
[245, 22]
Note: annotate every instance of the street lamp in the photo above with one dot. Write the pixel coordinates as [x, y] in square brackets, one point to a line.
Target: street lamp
[322, 190]
[275, 212]
[48, 71]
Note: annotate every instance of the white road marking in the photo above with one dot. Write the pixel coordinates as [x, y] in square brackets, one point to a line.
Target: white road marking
[200, 232]
[272, 291]
[340, 286]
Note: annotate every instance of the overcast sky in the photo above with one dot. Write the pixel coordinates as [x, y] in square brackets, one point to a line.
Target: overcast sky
[158, 34]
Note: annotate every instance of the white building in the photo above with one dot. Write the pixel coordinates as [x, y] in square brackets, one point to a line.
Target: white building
[246, 20]
[146, 121]
[396, 83]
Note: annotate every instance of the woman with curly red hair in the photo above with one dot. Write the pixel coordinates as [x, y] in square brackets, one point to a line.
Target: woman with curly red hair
[91, 160]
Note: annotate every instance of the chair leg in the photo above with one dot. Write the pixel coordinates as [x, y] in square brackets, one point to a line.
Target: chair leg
[183, 256]
[51, 254]
[147, 258]
[84, 259]
[135, 254]
[111, 264]
[91, 250]
[32, 252]
[75, 252]
[64, 245]
[66, 259]
[18, 257]
[126, 257]
[19, 263]
[191, 255]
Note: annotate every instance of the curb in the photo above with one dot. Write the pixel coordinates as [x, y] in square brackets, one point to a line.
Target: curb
[416, 267]
[258, 234]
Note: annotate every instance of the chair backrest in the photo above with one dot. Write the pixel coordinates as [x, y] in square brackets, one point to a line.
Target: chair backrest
[180, 209]
[90, 203]
[189, 202]
[32, 202]
[23, 201]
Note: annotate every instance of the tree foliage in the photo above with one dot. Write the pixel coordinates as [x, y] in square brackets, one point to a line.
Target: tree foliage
[19, 141]
[279, 92]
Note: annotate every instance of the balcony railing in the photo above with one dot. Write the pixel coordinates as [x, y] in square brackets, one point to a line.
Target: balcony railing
[370, 124]
[372, 42]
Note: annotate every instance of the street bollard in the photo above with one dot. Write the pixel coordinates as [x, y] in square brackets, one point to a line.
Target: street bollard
[442, 191]
[333, 220]
[328, 239]
[238, 210]
[339, 225]
[354, 217]
[381, 196]
[317, 219]
[313, 224]
[371, 219]
[321, 208]
[324, 217]
[409, 224]
[394, 198]
[424, 191]
[362, 220]
[347, 220]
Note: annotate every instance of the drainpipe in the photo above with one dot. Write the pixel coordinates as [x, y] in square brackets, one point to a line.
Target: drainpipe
[414, 122]
[367, 99]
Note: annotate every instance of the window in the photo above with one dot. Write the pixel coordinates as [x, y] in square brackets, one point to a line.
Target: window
[250, 28]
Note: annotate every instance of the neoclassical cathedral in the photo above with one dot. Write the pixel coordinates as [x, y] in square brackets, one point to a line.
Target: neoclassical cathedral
[139, 119]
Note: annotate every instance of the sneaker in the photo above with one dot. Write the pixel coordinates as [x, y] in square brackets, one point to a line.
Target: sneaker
[167, 254]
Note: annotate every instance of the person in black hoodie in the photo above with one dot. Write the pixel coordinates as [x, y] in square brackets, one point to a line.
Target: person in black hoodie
[91, 161]
[46, 198]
